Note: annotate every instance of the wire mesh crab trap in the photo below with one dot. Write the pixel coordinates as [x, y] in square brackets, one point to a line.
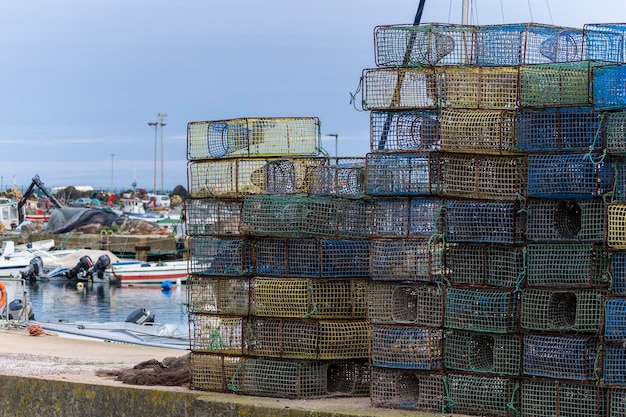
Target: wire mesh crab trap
[306, 298]
[407, 259]
[405, 131]
[560, 129]
[409, 389]
[342, 177]
[619, 188]
[478, 131]
[615, 128]
[553, 398]
[481, 395]
[212, 216]
[481, 310]
[528, 43]
[326, 258]
[217, 295]
[550, 220]
[484, 221]
[492, 88]
[406, 347]
[562, 310]
[216, 334]
[355, 218]
[484, 264]
[407, 217]
[614, 320]
[215, 372]
[482, 176]
[613, 364]
[485, 353]
[608, 87]
[399, 88]
[306, 339]
[295, 379]
[616, 225]
[239, 177]
[568, 176]
[290, 215]
[423, 45]
[605, 42]
[400, 174]
[618, 272]
[220, 256]
[561, 357]
[405, 303]
[279, 136]
[617, 402]
[309, 257]
[567, 265]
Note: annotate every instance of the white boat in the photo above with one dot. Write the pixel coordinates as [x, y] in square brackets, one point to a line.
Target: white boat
[8, 213]
[149, 272]
[148, 334]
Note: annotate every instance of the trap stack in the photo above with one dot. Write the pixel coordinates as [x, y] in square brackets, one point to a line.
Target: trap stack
[518, 129]
[277, 292]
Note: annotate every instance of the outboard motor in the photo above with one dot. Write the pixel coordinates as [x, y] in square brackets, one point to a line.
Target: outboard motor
[140, 316]
[16, 311]
[32, 271]
[81, 268]
[99, 267]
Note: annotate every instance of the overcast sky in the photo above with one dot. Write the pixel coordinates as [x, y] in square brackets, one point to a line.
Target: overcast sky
[82, 78]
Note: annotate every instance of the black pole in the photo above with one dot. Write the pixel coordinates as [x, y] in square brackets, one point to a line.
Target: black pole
[405, 61]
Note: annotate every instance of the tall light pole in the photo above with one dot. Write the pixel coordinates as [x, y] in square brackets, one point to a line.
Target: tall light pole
[112, 171]
[156, 126]
[336, 136]
[161, 118]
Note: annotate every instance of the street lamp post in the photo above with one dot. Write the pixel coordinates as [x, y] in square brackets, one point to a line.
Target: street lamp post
[336, 136]
[112, 171]
[156, 126]
[161, 118]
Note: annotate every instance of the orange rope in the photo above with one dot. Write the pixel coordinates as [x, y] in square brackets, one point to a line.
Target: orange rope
[35, 330]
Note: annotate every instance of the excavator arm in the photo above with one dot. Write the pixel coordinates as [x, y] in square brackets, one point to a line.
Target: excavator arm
[29, 192]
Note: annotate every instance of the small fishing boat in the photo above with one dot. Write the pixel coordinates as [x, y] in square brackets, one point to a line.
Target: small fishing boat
[149, 272]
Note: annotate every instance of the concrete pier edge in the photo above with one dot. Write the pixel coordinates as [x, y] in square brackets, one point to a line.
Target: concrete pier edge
[32, 396]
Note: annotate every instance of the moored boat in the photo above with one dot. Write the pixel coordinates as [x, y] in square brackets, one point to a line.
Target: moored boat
[149, 272]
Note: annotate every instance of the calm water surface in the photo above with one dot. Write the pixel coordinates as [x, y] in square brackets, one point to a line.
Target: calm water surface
[103, 302]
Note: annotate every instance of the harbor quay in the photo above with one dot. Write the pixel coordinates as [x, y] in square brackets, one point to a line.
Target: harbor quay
[51, 376]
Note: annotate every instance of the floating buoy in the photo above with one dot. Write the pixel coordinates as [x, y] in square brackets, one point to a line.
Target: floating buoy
[80, 286]
[166, 285]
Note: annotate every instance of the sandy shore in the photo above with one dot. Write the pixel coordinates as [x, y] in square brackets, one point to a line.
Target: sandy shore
[51, 356]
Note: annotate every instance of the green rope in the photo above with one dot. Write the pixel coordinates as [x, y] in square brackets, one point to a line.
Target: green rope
[231, 385]
[589, 156]
[522, 274]
[611, 194]
[314, 311]
[353, 98]
[511, 404]
[449, 401]
[522, 200]
[215, 341]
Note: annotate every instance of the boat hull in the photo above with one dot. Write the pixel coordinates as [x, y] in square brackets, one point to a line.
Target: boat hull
[150, 273]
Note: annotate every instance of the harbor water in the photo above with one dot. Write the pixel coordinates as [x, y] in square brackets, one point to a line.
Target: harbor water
[101, 302]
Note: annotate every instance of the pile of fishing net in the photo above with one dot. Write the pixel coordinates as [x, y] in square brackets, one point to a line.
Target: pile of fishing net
[172, 371]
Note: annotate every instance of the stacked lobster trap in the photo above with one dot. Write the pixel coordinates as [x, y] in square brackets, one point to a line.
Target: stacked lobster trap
[277, 291]
[519, 129]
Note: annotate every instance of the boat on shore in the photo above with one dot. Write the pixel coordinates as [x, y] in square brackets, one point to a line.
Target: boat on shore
[149, 334]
